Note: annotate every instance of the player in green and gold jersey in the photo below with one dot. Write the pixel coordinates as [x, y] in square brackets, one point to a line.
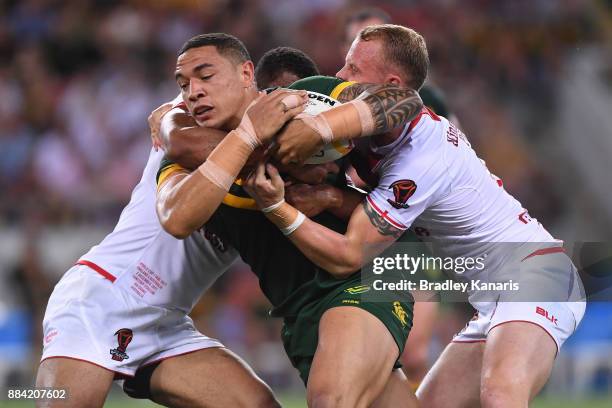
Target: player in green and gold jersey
[344, 347]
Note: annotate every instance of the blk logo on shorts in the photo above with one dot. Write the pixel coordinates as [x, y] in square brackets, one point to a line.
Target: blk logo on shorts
[544, 312]
[402, 191]
[124, 337]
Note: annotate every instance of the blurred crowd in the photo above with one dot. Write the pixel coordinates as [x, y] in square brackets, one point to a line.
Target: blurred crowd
[79, 78]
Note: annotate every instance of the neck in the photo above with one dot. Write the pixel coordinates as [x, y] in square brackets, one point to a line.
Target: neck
[250, 94]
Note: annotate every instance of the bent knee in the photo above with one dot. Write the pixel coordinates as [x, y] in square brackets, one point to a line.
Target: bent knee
[504, 390]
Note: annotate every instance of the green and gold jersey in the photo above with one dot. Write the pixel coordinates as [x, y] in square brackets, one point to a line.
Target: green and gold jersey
[286, 276]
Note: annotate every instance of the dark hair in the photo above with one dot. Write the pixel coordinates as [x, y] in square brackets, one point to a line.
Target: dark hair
[283, 59]
[367, 13]
[403, 47]
[226, 45]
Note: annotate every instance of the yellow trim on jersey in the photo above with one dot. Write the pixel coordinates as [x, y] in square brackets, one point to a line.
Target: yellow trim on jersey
[246, 203]
[239, 202]
[335, 93]
[173, 168]
[340, 147]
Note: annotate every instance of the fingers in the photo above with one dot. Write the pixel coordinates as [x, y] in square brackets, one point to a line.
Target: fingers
[154, 120]
[293, 112]
[275, 177]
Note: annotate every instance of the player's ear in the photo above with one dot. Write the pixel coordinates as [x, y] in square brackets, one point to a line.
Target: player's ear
[394, 80]
[247, 73]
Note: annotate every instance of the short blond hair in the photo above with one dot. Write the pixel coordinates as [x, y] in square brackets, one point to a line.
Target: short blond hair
[402, 47]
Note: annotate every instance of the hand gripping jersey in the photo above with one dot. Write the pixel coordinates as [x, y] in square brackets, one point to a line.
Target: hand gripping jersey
[147, 262]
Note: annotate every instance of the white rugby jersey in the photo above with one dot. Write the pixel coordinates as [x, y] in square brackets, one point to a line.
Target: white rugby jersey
[151, 264]
[431, 180]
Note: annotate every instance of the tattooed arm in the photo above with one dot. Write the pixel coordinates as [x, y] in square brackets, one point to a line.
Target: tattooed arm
[383, 109]
[391, 106]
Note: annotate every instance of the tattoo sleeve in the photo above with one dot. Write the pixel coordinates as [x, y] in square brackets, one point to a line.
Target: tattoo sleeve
[383, 227]
[391, 106]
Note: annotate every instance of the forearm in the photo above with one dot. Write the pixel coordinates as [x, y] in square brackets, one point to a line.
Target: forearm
[332, 251]
[185, 206]
[344, 202]
[185, 142]
[373, 109]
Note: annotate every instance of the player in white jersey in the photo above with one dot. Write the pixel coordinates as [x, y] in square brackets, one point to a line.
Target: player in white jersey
[426, 176]
[121, 313]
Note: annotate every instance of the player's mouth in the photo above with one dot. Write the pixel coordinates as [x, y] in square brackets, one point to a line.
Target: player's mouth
[202, 112]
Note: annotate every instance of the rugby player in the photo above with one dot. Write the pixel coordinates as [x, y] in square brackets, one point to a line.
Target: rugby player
[415, 361]
[327, 329]
[121, 312]
[282, 66]
[427, 177]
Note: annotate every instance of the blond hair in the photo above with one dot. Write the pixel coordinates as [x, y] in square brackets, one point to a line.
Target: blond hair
[402, 47]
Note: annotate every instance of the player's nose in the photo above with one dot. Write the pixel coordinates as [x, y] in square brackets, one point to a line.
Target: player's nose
[342, 73]
[196, 89]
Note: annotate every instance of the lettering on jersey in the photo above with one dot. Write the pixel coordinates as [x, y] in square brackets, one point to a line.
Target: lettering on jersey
[50, 336]
[214, 240]
[402, 191]
[453, 134]
[544, 312]
[400, 313]
[146, 281]
[322, 98]
[124, 337]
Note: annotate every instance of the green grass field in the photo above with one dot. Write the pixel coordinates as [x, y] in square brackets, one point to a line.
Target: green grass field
[297, 401]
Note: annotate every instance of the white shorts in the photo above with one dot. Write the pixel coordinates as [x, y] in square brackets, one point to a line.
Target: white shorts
[558, 318]
[90, 319]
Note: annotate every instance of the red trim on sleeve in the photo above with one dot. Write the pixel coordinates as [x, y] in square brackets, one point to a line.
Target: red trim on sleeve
[385, 216]
[96, 268]
[424, 111]
[545, 251]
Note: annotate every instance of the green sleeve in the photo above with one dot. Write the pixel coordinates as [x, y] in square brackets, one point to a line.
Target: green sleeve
[165, 164]
[434, 99]
[321, 84]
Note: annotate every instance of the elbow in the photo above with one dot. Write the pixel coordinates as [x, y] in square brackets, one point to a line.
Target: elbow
[175, 229]
[173, 224]
[345, 267]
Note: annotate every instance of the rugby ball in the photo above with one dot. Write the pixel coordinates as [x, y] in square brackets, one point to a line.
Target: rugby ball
[318, 103]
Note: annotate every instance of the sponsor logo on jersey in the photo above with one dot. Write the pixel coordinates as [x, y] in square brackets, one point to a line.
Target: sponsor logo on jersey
[355, 290]
[400, 313]
[402, 191]
[320, 97]
[124, 337]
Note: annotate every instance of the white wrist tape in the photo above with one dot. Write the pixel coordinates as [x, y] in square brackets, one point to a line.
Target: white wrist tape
[216, 175]
[365, 116]
[294, 225]
[273, 207]
[319, 124]
[246, 132]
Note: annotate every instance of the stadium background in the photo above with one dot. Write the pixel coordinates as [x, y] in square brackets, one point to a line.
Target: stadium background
[530, 82]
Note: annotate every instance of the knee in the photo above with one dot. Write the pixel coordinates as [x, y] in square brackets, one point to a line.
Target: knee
[330, 397]
[503, 390]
